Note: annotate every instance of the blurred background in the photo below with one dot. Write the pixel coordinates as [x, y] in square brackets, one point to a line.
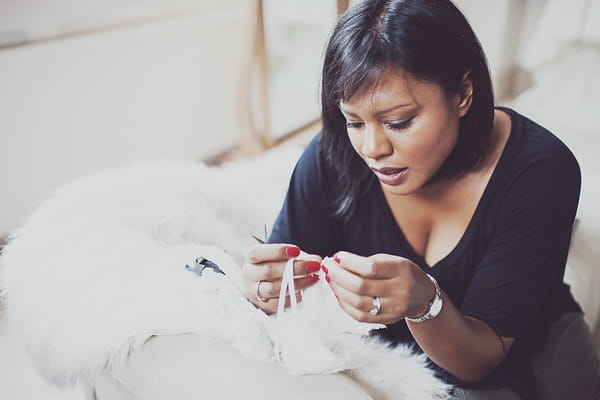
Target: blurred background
[91, 85]
[87, 85]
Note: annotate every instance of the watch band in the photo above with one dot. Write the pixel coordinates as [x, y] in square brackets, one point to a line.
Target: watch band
[435, 305]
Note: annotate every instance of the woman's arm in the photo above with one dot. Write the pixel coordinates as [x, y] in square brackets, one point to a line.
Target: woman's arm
[464, 346]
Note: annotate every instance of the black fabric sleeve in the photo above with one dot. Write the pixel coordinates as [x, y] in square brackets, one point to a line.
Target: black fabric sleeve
[305, 218]
[529, 246]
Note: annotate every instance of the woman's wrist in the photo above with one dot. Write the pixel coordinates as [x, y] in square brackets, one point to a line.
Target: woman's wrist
[433, 307]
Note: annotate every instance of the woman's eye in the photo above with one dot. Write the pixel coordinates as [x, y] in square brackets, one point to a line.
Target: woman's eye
[353, 125]
[396, 126]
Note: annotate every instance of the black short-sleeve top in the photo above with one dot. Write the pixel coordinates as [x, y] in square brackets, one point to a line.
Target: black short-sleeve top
[506, 270]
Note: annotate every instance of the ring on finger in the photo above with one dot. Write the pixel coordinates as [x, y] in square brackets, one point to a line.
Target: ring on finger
[258, 296]
[376, 306]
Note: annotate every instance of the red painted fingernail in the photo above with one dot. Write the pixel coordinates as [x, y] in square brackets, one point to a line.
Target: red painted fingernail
[325, 269]
[313, 266]
[327, 278]
[312, 278]
[336, 258]
[292, 251]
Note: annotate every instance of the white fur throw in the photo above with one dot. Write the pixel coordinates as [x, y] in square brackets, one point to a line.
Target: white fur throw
[100, 267]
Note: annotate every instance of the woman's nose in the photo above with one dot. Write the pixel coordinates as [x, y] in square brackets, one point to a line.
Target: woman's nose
[375, 143]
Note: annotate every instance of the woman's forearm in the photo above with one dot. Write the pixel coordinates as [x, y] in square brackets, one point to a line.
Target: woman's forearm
[464, 346]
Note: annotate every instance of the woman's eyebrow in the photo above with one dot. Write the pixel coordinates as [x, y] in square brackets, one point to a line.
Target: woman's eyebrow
[393, 108]
[377, 113]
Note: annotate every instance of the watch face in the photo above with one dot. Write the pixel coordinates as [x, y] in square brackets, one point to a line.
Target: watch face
[436, 307]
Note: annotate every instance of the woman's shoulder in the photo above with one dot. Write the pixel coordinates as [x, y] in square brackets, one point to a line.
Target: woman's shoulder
[536, 168]
[313, 172]
[531, 145]
[311, 156]
[313, 162]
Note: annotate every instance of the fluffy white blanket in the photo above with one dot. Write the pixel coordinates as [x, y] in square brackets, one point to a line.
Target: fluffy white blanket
[100, 267]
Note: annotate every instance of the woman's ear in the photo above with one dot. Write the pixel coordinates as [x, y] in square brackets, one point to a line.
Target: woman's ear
[465, 94]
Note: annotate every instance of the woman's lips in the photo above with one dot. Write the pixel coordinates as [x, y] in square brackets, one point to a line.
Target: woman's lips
[391, 176]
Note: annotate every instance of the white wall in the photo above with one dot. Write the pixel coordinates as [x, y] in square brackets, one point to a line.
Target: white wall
[497, 24]
[160, 87]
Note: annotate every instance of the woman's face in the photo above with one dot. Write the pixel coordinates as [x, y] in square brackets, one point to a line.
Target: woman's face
[404, 129]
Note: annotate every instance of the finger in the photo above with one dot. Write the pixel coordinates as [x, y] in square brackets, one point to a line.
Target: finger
[273, 271]
[381, 318]
[307, 266]
[267, 271]
[306, 281]
[271, 305]
[360, 315]
[360, 303]
[349, 280]
[271, 289]
[378, 266]
[359, 307]
[262, 253]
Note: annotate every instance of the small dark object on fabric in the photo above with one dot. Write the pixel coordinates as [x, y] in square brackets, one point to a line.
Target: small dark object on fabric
[201, 264]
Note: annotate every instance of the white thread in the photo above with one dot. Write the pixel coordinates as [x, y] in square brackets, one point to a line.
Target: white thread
[287, 287]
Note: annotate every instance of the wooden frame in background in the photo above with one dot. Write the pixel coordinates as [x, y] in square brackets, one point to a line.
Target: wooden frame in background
[256, 135]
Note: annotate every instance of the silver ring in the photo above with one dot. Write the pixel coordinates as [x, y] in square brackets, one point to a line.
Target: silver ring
[258, 296]
[376, 306]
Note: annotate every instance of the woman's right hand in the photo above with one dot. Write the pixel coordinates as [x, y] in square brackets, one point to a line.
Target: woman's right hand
[263, 269]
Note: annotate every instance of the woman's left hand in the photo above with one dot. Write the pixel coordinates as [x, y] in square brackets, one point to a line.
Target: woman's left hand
[403, 289]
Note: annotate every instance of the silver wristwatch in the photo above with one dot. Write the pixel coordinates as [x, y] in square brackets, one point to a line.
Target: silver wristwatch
[435, 305]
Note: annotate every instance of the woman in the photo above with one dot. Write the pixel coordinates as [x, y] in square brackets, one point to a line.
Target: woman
[450, 219]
